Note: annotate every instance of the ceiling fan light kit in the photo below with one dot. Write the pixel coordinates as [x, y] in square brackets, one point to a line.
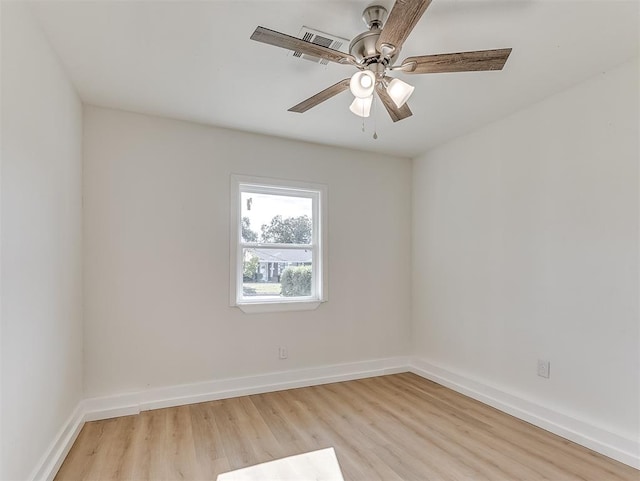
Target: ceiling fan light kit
[361, 106]
[374, 54]
[362, 84]
[399, 91]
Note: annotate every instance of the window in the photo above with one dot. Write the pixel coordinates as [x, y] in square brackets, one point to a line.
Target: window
[278, 242]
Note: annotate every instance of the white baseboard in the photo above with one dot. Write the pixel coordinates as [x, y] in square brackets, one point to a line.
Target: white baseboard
[593, 437]
[93, 409]
[54, 456]
[133, 403]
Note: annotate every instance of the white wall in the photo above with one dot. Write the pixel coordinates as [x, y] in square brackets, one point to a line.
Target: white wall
[41, 245]
[525, 246]
[156, 226]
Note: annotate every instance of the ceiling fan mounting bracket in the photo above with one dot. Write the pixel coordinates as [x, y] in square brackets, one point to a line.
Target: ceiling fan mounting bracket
[374, 16]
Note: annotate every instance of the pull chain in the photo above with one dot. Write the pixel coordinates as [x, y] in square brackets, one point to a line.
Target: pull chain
[375, 119]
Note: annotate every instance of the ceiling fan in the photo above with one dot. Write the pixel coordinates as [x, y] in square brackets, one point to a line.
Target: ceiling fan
[374, 53]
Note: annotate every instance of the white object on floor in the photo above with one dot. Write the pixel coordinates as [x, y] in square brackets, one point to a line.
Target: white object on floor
[321, 465]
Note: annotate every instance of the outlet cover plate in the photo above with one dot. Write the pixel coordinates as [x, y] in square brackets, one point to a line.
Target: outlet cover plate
[544, 367]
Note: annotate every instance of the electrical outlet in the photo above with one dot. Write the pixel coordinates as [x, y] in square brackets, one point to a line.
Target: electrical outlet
[283, 353]
[544, 367]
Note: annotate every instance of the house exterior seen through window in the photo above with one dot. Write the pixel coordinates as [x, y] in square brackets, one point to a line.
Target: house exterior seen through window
[278, 233]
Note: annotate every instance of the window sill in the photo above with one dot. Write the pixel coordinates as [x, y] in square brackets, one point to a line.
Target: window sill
[258, 307]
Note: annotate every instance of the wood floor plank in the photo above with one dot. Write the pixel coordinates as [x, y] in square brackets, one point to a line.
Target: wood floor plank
[180, 448]
[102, 466]
[238, 450]
[208, 442]
[151, 463]
[117, 460]
[81, 458]
[391, 428]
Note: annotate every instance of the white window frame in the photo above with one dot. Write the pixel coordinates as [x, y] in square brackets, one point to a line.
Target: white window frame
[318, 194]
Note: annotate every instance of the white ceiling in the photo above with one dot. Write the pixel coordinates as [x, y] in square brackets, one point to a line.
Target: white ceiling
[195, 61]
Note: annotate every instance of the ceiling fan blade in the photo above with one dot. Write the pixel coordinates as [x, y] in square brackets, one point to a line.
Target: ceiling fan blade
[403, 17]
[278, 39]
[457, 62]
[320, 97]
[394, 112]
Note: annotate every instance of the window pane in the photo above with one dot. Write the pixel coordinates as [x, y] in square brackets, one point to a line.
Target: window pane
[281, 219]
[276, 273]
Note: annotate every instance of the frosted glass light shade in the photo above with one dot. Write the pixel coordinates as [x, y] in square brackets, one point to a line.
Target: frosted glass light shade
[361, 107]
[399, 91]
[362, 83]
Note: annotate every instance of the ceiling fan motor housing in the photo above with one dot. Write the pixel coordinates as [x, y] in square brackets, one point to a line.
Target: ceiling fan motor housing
[363, 46]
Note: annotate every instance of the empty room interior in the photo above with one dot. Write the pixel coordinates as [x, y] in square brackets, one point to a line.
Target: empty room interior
[346, 240]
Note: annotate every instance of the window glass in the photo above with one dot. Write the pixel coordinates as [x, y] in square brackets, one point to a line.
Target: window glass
[274, 273]
[276, 219]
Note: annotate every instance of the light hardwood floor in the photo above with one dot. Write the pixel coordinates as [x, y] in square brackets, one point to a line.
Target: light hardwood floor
[397, 427]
